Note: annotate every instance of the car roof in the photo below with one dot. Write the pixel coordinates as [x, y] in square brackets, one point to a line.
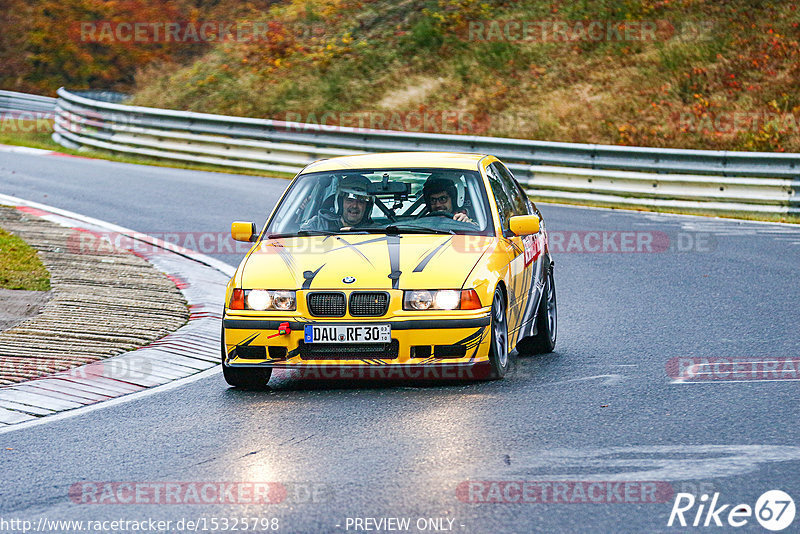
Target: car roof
[399, 160]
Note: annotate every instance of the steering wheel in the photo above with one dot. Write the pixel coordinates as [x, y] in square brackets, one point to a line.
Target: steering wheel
[440, 213]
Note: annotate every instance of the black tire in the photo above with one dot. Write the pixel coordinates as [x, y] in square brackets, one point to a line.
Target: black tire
[546, 321]
[244, 377]
[499, 359]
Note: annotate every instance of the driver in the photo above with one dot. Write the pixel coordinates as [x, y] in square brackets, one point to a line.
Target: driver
[439, 194]
[353, 207]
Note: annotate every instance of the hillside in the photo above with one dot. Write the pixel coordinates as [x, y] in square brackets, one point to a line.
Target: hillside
[46, 44]
[717, 75]
[670, 73]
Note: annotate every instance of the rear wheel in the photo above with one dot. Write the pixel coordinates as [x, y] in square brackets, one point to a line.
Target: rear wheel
[546, 321]
[498, 353]
[244, 377]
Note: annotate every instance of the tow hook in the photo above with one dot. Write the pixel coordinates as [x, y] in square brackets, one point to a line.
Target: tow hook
[283, 329]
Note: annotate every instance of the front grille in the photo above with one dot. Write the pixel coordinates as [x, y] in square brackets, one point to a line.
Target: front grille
[421, 351]
[349, 351]
[368, 304]
[251, 353]
[326, 304]
[278, 353]
[449, 351]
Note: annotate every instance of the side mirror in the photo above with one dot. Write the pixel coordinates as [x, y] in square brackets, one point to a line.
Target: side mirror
[524, 224]
[244, 231]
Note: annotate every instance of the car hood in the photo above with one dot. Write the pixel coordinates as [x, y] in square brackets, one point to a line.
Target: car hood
[375, 261]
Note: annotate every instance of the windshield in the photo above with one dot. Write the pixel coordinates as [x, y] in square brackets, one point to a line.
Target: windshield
[447, 201]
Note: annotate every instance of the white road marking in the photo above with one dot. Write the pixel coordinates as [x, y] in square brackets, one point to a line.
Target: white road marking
[25, 150]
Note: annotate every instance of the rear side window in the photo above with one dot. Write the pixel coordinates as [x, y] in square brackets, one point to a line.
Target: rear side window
[504, 204]
[518, 198]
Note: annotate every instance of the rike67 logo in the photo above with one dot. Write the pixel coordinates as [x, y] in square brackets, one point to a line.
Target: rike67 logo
[774, 510]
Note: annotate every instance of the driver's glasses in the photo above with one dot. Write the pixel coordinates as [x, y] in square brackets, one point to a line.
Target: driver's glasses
[441, 199]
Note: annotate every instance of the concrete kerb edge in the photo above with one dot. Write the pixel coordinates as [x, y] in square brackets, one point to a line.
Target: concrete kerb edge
[196, 296]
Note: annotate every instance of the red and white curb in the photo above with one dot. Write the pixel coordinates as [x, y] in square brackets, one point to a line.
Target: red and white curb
[188, 354]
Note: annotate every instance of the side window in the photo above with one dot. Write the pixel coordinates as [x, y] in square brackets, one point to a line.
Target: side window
[518, 197]
[528, 204]
[504, 205]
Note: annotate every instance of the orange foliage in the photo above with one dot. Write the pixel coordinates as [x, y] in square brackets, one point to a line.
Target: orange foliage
[50, 43]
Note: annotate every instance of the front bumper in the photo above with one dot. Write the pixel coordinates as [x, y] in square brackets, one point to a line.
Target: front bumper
[460, 341]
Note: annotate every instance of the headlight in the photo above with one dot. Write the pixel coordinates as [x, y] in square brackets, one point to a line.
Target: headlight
[263, 300]
[417, 300]
[258, 299]
[447, 299]
[284, 300]
[442, 299]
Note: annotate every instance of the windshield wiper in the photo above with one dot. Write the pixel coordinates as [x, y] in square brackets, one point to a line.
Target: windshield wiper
[390, 229]
[397, 229]
[351, 230]
[301, 233]
[354, 230]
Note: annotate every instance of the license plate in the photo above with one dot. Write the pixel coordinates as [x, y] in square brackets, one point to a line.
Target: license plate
[374, 333]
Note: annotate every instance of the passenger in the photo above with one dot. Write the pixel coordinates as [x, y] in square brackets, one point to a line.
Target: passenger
[353, 207]
[439, 195]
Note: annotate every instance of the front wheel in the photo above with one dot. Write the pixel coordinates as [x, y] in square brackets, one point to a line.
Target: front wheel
[244, 377]
[247, 377]
[498, 352]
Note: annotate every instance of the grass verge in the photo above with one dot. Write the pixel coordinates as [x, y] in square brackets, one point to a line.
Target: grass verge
[20, 266]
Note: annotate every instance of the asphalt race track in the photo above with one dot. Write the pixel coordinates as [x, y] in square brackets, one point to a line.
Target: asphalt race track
[605, 414]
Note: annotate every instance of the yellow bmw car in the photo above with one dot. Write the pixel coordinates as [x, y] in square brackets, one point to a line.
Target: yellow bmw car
[416, 265]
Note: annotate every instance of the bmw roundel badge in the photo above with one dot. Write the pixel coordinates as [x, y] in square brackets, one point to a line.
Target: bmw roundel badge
[348, 279]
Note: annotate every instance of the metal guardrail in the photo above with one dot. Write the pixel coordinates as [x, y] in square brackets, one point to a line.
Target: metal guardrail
[19, 104]
[104, 96]
[707, 181]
